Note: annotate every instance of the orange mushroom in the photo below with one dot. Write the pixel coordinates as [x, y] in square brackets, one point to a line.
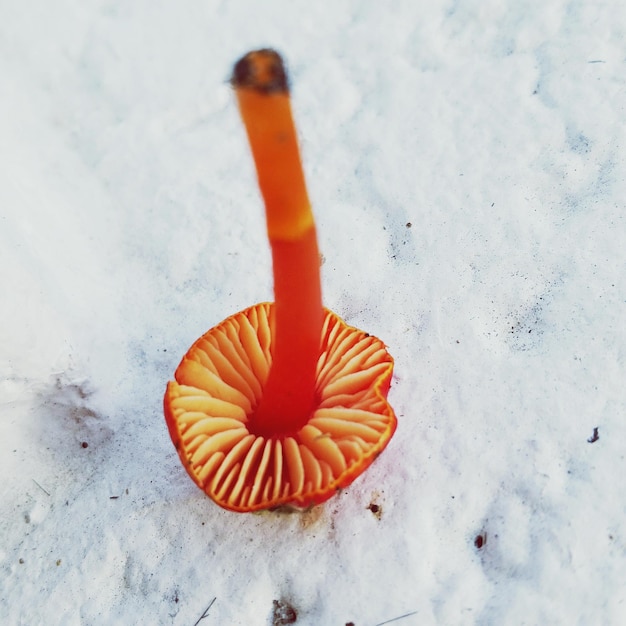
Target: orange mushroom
[281, 404]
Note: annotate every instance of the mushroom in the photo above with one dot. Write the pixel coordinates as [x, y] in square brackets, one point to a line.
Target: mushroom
[282, 404]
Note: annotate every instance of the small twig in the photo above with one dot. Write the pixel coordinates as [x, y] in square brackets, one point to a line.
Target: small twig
[395, 619]
[40, 487]
[206, 612]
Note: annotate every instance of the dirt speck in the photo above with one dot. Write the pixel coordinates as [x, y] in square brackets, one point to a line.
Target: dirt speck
[283, 613]
[480, 540]
[376, 509]
[375, 506]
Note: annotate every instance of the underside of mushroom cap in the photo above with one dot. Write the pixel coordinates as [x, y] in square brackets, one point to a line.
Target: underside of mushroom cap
[219, 383]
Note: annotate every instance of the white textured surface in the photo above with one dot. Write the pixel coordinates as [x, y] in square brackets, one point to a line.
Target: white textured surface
[130, 223]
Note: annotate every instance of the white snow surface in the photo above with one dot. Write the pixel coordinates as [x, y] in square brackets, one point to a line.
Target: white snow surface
[466, 164]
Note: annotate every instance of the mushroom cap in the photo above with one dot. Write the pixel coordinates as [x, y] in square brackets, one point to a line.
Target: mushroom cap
[220, 381]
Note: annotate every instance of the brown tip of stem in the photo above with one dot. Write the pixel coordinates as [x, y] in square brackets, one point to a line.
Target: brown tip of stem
[262, 70]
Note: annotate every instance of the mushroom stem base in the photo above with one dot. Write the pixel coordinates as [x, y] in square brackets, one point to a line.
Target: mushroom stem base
[289, 393]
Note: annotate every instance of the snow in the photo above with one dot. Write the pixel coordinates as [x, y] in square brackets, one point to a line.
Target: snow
[466, 164]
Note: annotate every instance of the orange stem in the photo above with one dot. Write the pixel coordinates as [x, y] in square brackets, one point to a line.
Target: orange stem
[263, 95]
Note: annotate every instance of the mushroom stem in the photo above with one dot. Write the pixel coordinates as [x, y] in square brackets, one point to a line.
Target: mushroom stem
[263, 95]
